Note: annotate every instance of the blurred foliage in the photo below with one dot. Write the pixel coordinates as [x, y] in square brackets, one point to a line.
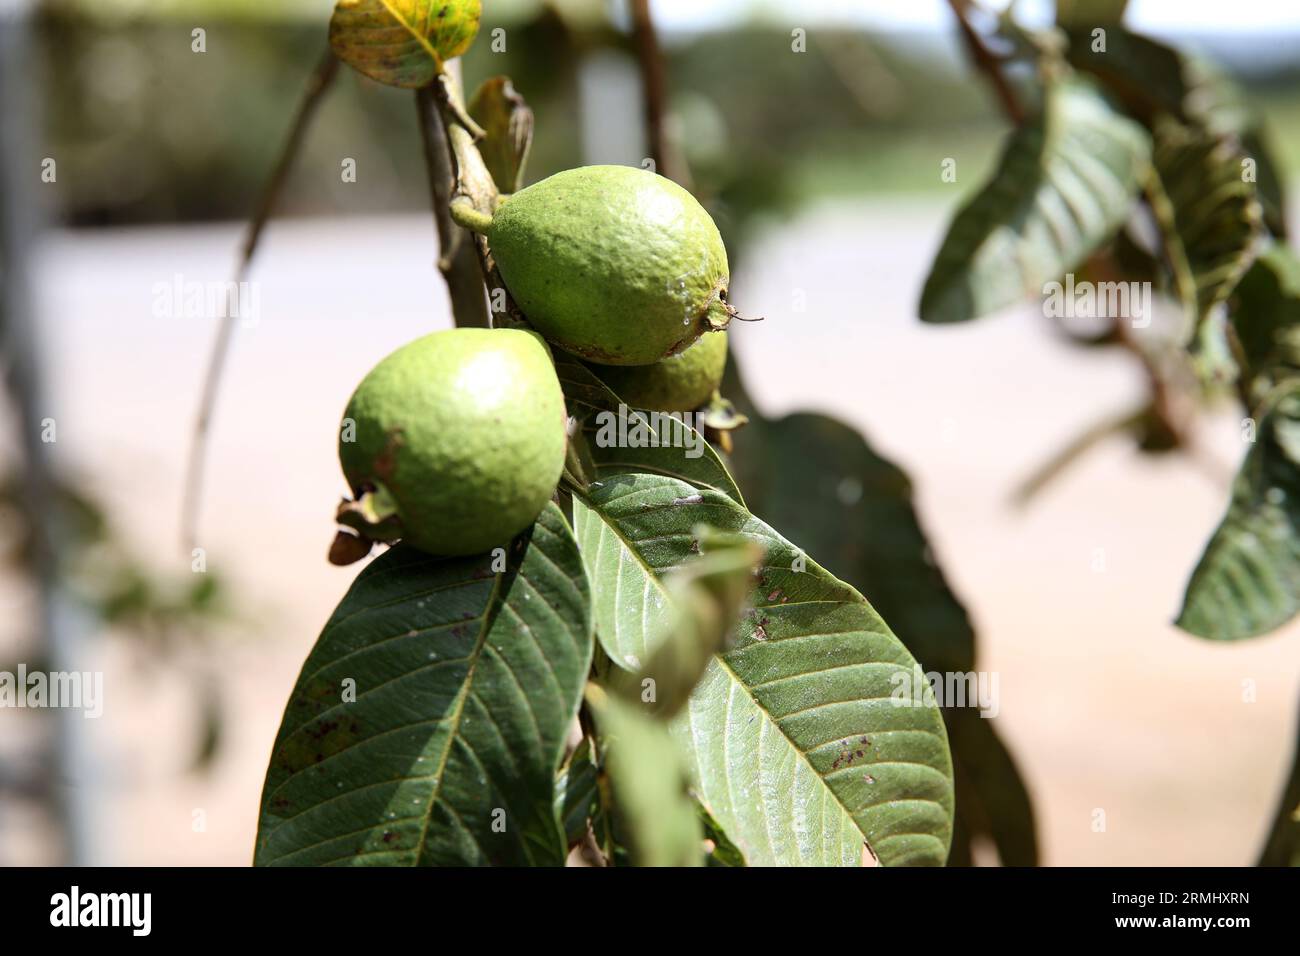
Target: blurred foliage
[162, 615]
[146, 130]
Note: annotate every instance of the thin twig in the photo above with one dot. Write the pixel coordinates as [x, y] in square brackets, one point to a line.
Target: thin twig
[667, 158]
[457, 260]
[988, 63]
[474, 186]
[319, 82]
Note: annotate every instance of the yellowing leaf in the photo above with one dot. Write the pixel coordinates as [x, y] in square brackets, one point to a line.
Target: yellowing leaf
[403, 42]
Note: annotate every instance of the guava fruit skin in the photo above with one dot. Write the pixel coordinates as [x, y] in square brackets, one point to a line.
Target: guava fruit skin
[679, 383]
[466, 431]
[612, 263]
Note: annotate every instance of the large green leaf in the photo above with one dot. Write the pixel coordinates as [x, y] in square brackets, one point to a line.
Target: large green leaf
[654, 816]
[402, 42]
[820, 482]
[660, 656]
[1248, 580]
[465, 682]
[1064, 185]
[797, 747]
[1283, 845]
[629, 441]
[1209, 216]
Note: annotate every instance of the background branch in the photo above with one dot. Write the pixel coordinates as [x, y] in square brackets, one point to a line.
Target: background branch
[987, 62]
[668, 159]
[319, 82]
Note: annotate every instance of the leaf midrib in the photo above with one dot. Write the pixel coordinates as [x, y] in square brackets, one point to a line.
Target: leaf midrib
[627, 548]
[410, 28]
[793, 746]
[458, 708]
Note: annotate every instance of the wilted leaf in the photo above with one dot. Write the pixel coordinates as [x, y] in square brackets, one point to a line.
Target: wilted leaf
[653, 813]
[797, 747]
[1266, 316]
[1154, 79]
[1209, 216]
[1064, 185]
[465, 683]
[507, 124]
[1248, 580]
[402, 42]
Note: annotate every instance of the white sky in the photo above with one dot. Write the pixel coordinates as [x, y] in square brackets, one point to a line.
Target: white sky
[1162, 16]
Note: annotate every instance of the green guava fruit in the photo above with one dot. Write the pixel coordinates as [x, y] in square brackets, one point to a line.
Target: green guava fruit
[679, 383]
[456, 441]
[612, 263]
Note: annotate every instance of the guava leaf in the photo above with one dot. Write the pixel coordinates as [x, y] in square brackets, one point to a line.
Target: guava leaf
[1153, 79]
[795, 744]
[1064, 184]
[620, 443]
[1208, 214]
[1090, 13]
[507, 124]
[465, 684]
[696, 606]
[654, 815]
[1247, 582]
[402, 42]
[1265, 313]
[1282, 847]
[577, 800]
[724, 852]
[992, 799]
[818, 480]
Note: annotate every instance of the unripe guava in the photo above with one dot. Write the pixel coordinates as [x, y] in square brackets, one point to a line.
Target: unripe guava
[458, 441]
[679, 383]
[615, 264]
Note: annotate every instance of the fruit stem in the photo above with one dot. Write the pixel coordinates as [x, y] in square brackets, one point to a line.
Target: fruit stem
[464, 214]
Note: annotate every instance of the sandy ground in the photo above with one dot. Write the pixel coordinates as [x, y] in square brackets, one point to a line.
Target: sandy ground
[1108, 707]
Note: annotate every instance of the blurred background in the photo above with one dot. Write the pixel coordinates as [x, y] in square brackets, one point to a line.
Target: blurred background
[822, 168]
